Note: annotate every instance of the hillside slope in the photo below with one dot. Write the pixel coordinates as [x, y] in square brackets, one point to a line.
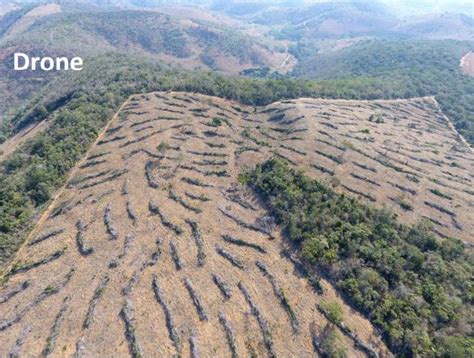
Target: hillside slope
[401, 69]
[439, 26]
[147, 35]
[154, 240]
[153, 224]
[185, 42]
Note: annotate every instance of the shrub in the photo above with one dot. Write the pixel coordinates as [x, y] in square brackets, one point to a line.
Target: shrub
[333, 310]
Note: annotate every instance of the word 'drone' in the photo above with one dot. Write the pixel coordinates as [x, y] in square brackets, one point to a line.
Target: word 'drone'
[22, 62]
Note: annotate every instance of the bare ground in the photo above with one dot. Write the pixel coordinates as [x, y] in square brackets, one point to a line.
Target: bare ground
[12, 143]
[467, 63]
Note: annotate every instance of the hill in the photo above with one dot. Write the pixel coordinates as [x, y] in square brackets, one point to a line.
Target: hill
[71, 31]
[23, 18]
[138, 217]
[149, 33]
[400, 69]
[328, 20]
[439, 26]
[160, 176]
[154, 210]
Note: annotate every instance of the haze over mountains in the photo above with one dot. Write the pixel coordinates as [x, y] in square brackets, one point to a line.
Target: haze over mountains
[228, 37]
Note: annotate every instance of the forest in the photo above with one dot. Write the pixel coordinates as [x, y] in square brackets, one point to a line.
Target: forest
[414, 287]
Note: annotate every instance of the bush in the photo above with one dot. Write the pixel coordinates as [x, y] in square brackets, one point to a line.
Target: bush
[331, 345]
[333, 310]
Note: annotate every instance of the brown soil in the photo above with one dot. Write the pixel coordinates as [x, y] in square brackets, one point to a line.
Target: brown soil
[165, 143]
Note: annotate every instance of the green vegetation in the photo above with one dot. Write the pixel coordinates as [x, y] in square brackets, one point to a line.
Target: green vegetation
[144, 31]
[417, 289]
[216, 122]
[440, 194]
[400, 69]
[376, 117]
[163, 147]
[331, 344]
[333, 310]
[256, 72]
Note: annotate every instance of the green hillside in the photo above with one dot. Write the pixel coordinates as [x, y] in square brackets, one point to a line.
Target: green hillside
[149, 34]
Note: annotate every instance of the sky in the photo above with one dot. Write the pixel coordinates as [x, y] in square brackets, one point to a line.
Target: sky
[401, 7]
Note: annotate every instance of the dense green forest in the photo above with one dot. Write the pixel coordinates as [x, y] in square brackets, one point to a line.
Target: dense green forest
[400, 69]
[414, 287]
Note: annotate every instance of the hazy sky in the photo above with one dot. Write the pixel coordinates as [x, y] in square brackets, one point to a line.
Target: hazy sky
[402, 7]
[433, 5]
[407, 7]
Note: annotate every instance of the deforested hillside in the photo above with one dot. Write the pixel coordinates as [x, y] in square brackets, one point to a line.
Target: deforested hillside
[400, 69]
[402, 154]
[154, 240]
[154, 237]
[21, 19]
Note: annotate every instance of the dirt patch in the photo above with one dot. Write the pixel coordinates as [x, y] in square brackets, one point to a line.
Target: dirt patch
[30, 17]
[44, 10]
[13, 143]
[467, 64]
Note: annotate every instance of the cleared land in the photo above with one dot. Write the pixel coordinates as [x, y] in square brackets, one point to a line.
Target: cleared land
[30, 17]
[403, 154]
[467, 64]
[153, 247]
[11, 144]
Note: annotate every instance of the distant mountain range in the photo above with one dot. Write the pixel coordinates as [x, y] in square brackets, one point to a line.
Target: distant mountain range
[257, 38]
[70, 30]
[301, 19]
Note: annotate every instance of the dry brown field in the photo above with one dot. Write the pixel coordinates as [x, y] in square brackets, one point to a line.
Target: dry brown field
[153, 246]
